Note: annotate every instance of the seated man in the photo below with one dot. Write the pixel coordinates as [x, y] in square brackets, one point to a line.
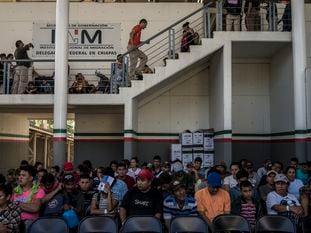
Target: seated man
[81, 86]
[212, 200]
[179, 203]
[143, 199]
[305, 195]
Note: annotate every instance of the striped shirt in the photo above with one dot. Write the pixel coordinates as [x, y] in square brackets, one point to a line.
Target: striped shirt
[248, 211]
[172, 209]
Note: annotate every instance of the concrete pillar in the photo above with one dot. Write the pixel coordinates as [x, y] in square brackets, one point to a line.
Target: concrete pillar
[299, 64]
[61, 82]
[130, 129]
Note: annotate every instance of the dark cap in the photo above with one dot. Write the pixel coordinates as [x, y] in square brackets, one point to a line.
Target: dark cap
[176, 184]
[214, 180]
[68, 178]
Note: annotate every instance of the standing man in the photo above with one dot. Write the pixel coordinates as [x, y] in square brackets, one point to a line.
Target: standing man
[233, 18]
[136, 53]
[21, 71]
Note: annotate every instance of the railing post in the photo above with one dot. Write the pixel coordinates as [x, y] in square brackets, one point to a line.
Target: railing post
[209, 30]
[8, 79]
[171, 43]
[205, 29]
[4, 78]
[274, 17]
[111, 77]
[124, 71]
[270, 16]
[219, 15]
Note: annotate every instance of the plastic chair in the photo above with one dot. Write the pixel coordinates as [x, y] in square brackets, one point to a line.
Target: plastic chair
[188, 224]
[48, 224]
[306, 225]
[230, 222]
[100, 224]
[142, 224]
[275, 223]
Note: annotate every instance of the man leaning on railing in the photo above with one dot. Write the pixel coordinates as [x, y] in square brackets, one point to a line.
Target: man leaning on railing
[21, 70]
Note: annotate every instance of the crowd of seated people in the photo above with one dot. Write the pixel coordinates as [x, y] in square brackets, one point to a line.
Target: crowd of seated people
[162, 189]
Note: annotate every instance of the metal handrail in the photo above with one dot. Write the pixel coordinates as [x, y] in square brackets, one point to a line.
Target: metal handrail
[168, 28]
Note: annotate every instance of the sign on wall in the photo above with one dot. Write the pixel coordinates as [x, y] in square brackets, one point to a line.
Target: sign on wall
[86, 40]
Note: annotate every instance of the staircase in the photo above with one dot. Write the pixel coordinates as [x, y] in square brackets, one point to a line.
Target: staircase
[173, 67]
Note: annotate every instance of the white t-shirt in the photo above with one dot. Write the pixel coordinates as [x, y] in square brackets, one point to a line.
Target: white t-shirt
[275, 199]
[294, 187]
[133, 173]
[229, 180]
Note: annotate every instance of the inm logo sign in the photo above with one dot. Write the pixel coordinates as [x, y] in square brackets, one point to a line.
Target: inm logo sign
[82, 36]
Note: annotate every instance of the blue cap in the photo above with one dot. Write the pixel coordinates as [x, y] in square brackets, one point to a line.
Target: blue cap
[214, 180]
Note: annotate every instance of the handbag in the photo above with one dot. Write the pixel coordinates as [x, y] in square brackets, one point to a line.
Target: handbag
[71, 218]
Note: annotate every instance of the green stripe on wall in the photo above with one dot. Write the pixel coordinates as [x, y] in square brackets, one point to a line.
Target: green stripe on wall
[59, 130]
[13, 135]
[223, 132]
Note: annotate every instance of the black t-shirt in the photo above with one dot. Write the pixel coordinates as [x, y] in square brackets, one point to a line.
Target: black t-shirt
[138, 203]
[255, 4]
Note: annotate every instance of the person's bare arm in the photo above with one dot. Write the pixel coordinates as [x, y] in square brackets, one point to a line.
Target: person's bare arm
[31, 207]
[122, 214]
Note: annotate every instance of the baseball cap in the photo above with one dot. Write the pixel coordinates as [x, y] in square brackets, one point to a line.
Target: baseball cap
[68, 178]
[214, 180]
[280, 177]
[145, 174]
[271, 172]
[68, 166]
[176, 184]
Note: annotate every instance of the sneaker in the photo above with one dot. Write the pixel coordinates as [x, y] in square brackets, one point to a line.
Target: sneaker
[139, 76]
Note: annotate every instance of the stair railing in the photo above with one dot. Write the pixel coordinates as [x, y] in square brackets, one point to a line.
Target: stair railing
[166, 43]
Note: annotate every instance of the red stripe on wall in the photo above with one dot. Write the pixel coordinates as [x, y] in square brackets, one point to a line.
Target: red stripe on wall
[59, 139]
[99, 140]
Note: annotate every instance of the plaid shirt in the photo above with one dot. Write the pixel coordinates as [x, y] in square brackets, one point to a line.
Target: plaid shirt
[10, 217]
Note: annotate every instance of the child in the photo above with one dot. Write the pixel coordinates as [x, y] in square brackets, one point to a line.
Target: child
[246, 205]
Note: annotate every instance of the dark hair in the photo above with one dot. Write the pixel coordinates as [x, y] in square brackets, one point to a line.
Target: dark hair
[30, 169]
[136, 159]
[6, 189]
[143, 21]
[85, 176]
[56, 168]
[198, 159]
[157, 157]
[121, 165]
[113, 162]
[242, 173]
[294, 159]
[245, 184]
[37, 163]
[10, 55]
[280, 163]
[24, 162]
[2, 179]
[43, 170]
[126, 162]
[287, 169]
[165, 178]
[48, 179]
[88, 163]
[83, 169]
[235, 164]
[108, 172]
[18, 42]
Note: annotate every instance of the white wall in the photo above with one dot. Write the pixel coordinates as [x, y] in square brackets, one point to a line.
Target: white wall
[308, 32]
[14, 124]
[99, 123]
[308, 83]
[185, 106]
[216, 91]
[250, 101]
[281, 90]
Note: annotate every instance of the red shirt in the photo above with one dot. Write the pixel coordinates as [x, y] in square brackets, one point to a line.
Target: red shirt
[128, 180]
[136, 35]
